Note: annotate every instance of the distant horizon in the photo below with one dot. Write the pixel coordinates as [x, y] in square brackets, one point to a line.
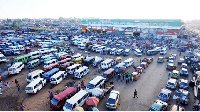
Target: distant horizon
[106, 9]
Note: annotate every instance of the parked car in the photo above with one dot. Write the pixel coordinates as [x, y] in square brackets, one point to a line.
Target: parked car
[164, 95]
[183, 84]
[184, 72]
[175, 74]
[160, 59]
[184, 95]
[158, 105]
[113, 99]
[171, 83]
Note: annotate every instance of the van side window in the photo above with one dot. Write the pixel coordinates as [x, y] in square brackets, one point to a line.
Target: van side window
[74, 105]
[85, 96]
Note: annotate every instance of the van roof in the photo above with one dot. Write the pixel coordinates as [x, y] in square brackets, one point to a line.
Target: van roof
[77, 96]
[137, 50]
[96, 79]
[65, 93]
[81, 69]
[16, 64]
[34, 52]
[73, 66]
[35, 72]
[57, 74]
[107, 60]
[110, 70]
[129, 59]
[35, 60]
[52, 71]
[36, 81]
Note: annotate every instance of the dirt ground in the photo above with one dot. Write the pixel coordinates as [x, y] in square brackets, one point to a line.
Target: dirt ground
[147, 85]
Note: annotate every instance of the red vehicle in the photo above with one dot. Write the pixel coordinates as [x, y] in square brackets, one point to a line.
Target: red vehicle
[65, 65]
[59, 100]
[64, 61]
[50, 67]
[65, 56]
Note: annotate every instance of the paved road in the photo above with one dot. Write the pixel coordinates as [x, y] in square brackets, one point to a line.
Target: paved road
[152, 80]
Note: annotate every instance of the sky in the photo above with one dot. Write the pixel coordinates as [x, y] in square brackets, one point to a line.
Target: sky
[104, 9]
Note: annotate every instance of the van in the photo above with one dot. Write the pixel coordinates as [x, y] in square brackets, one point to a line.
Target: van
[113, 51]
[34, 75]
[65, 56]
[81, 46]
[76, 56]
[35, 85]
[35, 55]
[16, 68]
[108, 74]
[97, 82]
[64, 61]
[58, 55]
[138, 52]
[13, 48]
[59, 100]
[65, 65]
[163, 51]
[94, 48]
[3, 58]
[119, 51]
[49, 58]
[33, 63]
[71, 69]
[88, 60]
[47, 63]
[45, 57]
[129, 62]
[58, 77]
[81, 72]
[50, 67]
[77, 100]
[20, 47]
[50, 73]
[107, 63]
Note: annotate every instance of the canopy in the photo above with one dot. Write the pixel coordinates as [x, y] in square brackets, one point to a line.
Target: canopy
[118, 58]
[122, 68]
[92, 101]
[97, 92]
[78, 109]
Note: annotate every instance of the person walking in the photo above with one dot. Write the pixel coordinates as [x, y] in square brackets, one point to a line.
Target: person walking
[1, 84]
[0, 77]
[16, 82]
[121, 77]
[0, 91]
[169, 75]
[79, 86]
[135, 94]
[21, 107]
[50, 95]
[8, 85]
[18, 87]
[82, 84]
[30, 70]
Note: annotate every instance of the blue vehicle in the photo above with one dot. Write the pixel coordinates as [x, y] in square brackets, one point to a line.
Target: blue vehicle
[2, 46]
[118, 66]
[50, 73]
[106, 51]
[7, 52]
[126, 52]
[165, 95]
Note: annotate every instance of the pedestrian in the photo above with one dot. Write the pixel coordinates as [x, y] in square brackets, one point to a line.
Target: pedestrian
[126, 80]
[8, 73]
[74, 85]
[22, 107]
[82, 84]
[135, 94]
[16, 82]
[1, 84]
[180, 54]
[118, 77]
[7, 84]
[0, 77]
[30, 70]
[0, 91]
[18, 87]
[140, 60]
[50, 95]
[79, 86]
[121, 77]
[169, 75]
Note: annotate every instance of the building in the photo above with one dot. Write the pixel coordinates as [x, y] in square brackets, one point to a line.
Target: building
[144, 27]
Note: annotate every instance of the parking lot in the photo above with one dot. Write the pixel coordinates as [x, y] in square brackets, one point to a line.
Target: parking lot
[150, 83]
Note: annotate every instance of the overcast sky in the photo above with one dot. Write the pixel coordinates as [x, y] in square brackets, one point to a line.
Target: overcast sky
[108, 9]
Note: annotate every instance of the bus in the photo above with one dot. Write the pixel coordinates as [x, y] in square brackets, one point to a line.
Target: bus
[24, 59]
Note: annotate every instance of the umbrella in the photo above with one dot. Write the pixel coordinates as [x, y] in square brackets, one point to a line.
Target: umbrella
[78, 109]
[122, 68]
[118, 58]
[92, 101]
[97, 92]
[198, 72]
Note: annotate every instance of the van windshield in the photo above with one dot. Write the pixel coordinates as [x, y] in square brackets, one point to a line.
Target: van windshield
[54, 102]
[68, 106]
[53, 79]
[90, 86]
